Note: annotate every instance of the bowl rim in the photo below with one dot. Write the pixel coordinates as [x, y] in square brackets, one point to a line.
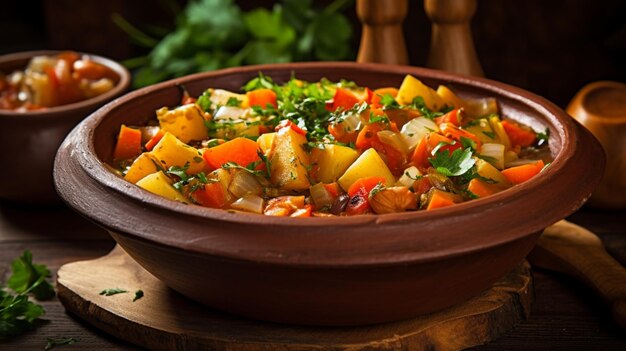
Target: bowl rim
[569, 133]
[57, 111]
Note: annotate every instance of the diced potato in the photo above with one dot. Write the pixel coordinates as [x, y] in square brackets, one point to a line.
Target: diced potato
[412, 87]
[487, 170]
[43, 91]
[158, 183]
[265, 142]
[332, 161]
[289, 160]
[483, 131]
[172, 152]
[509, 156]
[185, 122]
[369, 164]
[236, 129]
[221, 97]
[141, 167]
[449, 97]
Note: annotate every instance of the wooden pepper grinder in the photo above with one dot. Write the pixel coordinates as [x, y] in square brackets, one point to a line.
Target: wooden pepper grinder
[382, 40]
[451, 44]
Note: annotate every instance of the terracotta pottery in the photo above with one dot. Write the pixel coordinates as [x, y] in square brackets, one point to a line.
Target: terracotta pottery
[337, 270]
[601, 108]
[29, 140]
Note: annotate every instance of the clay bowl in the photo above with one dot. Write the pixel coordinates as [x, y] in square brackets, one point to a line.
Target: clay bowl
[327, 271]
[29, 140]
[601, 108]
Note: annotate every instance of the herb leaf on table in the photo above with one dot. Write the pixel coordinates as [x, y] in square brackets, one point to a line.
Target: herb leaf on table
[17, 313]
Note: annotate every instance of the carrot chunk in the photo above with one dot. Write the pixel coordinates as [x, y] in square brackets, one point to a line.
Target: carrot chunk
[481, 188]
[128, 144]
[441, 199]
[242, 151]
[519, 135]
[379, 93]
[520, 174]
[212, 195]
[365, 185]
[343, 98]
[262, 97]
[154, 140]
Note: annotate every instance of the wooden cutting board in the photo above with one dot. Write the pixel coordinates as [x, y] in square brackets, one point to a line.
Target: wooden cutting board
[165, 320]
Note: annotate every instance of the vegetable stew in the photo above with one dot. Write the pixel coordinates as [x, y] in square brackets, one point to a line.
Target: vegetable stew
[325, 148]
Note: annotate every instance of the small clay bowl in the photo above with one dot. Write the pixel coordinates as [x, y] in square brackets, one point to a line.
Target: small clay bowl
[327, 271]
[29, 140]
[601, 108]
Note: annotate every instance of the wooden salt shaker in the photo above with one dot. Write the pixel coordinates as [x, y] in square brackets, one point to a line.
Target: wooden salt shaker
[382, 40]
[451, 44]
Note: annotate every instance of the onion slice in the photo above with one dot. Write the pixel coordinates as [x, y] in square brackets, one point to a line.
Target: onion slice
[249, 203]
[414, 130]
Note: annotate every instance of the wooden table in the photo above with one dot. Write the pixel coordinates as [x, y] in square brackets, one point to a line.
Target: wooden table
[566, 315]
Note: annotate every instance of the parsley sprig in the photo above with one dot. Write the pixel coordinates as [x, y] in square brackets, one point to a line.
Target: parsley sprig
[419, 104]
[196, 181]
[17, 313]
[455, 164]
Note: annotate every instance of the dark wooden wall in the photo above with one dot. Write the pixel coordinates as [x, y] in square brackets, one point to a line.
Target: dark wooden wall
[549, 47]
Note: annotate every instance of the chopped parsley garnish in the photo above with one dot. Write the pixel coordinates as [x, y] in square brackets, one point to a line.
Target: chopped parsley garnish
[472, 173]
[204, 101]
[378, 119]
[250, 168]
[468, 143]
[420, 105]
[233, 101]
[408, 174]
[138, 295]
[489, 134]
[196, 181]
[389, 102]
[260, 82]
[112, 291]
[62, 341]
[375, 190]
[542, 138]
[455, 164]
[489, 159]
[180, 172]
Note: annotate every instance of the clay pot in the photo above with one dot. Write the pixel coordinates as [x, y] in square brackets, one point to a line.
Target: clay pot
[327, 271]
[601, 108]
[29, 140]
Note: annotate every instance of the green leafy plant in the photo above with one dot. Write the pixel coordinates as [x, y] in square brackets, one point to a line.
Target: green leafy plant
[17, 313]
[214, 34]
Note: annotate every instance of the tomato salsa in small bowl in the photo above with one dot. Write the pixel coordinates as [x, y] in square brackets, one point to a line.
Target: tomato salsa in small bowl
[43, 95]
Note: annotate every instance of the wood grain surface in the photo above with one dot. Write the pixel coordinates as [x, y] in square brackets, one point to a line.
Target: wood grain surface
[571, 249]
[566, 314]
[165, 320]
